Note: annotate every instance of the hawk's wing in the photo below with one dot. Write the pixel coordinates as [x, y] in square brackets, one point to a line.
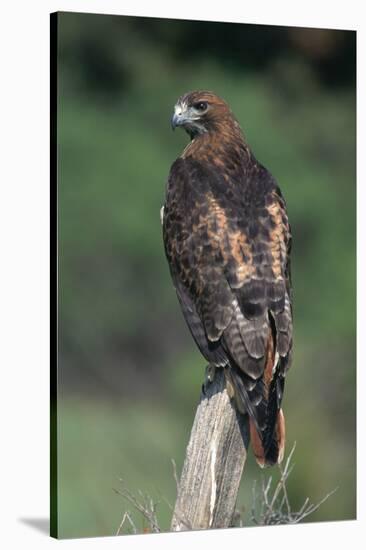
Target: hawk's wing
[229, 257]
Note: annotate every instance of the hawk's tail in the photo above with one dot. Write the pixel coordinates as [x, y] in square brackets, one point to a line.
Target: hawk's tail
[261, 400]
[270, 452]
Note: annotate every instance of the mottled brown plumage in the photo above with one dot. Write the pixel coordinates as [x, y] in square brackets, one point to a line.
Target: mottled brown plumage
[227, 241]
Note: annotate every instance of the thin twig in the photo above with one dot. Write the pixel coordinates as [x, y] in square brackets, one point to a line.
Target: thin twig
[313, 507]
[147, 509]
[285, 495]
[127, 516]
[175, 473]
[272, 505]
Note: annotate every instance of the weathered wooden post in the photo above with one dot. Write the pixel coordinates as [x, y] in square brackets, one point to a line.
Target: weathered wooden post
[214, 462]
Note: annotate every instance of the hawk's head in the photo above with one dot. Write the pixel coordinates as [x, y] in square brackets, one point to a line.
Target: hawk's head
[200, 112]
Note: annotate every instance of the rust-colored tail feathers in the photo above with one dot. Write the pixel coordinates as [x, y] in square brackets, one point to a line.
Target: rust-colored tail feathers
[273, 453]
[261, 400]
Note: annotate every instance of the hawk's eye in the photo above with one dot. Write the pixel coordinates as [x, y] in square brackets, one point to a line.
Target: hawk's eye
[200, 106]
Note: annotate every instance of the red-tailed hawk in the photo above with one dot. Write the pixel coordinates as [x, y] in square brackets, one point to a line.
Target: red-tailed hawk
[227, 240]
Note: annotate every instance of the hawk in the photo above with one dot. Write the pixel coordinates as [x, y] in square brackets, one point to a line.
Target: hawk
[227, 240]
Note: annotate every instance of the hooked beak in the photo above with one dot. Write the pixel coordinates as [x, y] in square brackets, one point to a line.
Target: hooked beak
[178, 118]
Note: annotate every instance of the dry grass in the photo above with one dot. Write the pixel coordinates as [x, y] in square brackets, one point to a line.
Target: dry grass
[270, 506]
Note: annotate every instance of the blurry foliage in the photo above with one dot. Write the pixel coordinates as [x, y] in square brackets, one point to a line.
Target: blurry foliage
[129, 371]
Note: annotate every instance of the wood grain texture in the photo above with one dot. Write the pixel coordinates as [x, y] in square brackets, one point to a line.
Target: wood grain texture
[214, 462]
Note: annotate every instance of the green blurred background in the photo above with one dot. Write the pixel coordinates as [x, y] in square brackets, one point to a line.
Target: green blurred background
[129, 372]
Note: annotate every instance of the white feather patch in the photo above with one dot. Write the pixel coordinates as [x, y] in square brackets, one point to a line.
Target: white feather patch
[275, 361]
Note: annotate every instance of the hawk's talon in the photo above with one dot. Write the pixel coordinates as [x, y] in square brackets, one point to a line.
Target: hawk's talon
[210, 373]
